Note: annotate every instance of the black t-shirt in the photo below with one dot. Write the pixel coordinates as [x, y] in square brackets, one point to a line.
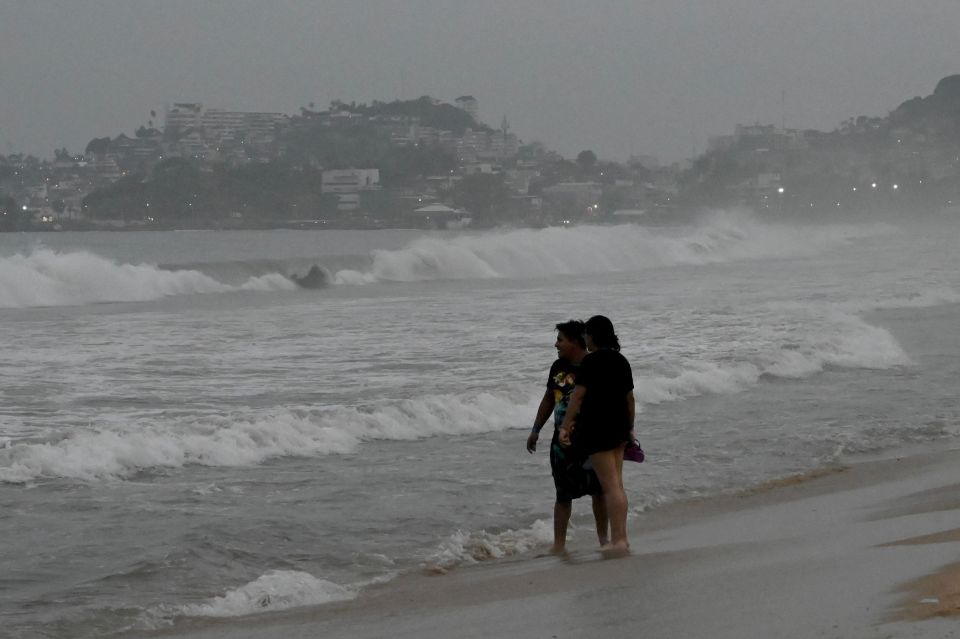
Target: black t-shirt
[607, 377]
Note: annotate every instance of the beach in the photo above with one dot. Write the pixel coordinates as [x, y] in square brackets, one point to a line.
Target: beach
[190, 443]
[866, 550]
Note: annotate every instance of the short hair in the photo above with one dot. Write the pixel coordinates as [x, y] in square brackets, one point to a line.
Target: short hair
[573, 331]
[600, 329]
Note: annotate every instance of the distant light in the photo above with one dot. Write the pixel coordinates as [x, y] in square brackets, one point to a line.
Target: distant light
[873, 186]
[24, 207]
[854, 188]
[780, 190]
[896, 186]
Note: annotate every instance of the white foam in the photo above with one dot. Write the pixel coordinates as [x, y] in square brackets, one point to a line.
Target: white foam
[723, 236]
[924, 298]
[275, 590]
[467, 547]
[49, 278]
[122, 449]
[837, 339]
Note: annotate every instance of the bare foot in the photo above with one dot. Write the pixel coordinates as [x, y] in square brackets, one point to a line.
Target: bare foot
[558, 550]
[604, 541]
[615, 550]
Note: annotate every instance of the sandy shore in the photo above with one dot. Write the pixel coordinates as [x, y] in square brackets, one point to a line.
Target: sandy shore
[871, 550]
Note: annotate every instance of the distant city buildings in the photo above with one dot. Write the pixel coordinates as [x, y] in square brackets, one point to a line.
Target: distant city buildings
[216, 141]
[347, 184]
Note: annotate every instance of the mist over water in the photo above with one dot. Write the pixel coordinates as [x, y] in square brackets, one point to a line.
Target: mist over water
[208, 427]
[46, 277]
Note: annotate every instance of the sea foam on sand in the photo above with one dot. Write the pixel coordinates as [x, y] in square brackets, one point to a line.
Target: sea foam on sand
[854, 552]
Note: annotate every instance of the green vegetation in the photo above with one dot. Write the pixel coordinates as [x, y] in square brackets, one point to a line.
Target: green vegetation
[179, 193]
[430, 113]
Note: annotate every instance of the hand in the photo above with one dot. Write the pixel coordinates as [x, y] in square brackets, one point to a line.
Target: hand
[564, 437]
[532, 442]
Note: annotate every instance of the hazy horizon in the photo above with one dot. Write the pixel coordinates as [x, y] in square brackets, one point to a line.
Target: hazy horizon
[614, 77]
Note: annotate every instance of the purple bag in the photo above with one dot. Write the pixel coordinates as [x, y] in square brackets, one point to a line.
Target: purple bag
[633, 452]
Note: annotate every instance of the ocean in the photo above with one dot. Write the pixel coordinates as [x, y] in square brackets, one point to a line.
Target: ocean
[185, 433]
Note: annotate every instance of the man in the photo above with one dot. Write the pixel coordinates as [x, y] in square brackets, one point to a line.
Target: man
[569, 477]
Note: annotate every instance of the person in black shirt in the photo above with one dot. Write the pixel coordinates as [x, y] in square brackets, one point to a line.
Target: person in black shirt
[570, 479]
[599, 421]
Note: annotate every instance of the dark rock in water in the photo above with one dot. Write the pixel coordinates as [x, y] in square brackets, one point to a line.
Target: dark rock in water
[315, 278]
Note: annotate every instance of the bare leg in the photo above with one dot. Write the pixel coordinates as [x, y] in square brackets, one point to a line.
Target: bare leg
[561, 517]
[601, 519]
[608, 464]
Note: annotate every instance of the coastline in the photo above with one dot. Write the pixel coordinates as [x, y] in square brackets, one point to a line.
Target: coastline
[865, 550]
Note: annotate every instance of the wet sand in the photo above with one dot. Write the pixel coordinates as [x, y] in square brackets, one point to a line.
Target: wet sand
[869, 550]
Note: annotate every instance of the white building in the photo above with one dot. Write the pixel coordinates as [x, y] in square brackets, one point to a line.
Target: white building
[224, 126]
[184, 115]
[347, 184]
[349, 180]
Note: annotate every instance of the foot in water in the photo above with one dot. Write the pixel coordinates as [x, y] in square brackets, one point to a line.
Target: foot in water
[615, 550]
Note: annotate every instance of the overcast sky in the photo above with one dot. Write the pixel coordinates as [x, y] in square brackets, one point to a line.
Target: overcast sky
[619, 77]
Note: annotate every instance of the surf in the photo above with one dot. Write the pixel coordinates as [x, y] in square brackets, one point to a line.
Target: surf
[720, 236]
[45, 278]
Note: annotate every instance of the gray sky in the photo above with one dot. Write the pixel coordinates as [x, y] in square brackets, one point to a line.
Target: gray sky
[616, 76]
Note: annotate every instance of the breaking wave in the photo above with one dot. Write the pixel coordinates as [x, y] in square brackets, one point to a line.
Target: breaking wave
[464, 547]
[245, 439]
[273, 591]
[121, 450]
[850, 342]
[49, 278]
[46, 277]
[723, 236]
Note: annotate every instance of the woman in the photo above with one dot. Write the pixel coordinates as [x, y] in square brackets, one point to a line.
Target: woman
[602, 406]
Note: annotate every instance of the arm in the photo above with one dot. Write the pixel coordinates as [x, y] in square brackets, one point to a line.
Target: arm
[543, 414]
[573, 408]
[631, 412]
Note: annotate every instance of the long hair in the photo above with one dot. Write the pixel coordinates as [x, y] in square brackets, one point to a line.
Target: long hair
[600, 329]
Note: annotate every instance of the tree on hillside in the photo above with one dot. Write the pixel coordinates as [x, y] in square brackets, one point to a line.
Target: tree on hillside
[12, 217]
[586, 160]
[482, 194]
[97, 146]
[406, 163]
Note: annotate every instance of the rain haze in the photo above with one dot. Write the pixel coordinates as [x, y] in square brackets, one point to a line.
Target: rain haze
[289, 351]
[616, 77]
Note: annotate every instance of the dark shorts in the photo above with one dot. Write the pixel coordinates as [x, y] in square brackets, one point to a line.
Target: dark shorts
[571, 480]
[590, 439]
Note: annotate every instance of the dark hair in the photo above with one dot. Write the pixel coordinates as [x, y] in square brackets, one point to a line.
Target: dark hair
[600, 329]
[573, 331]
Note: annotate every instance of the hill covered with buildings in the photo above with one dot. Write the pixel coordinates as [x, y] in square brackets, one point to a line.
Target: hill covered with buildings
[427, 162]
[906, 161]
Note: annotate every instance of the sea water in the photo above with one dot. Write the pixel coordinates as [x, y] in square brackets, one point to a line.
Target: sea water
[185, 433]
